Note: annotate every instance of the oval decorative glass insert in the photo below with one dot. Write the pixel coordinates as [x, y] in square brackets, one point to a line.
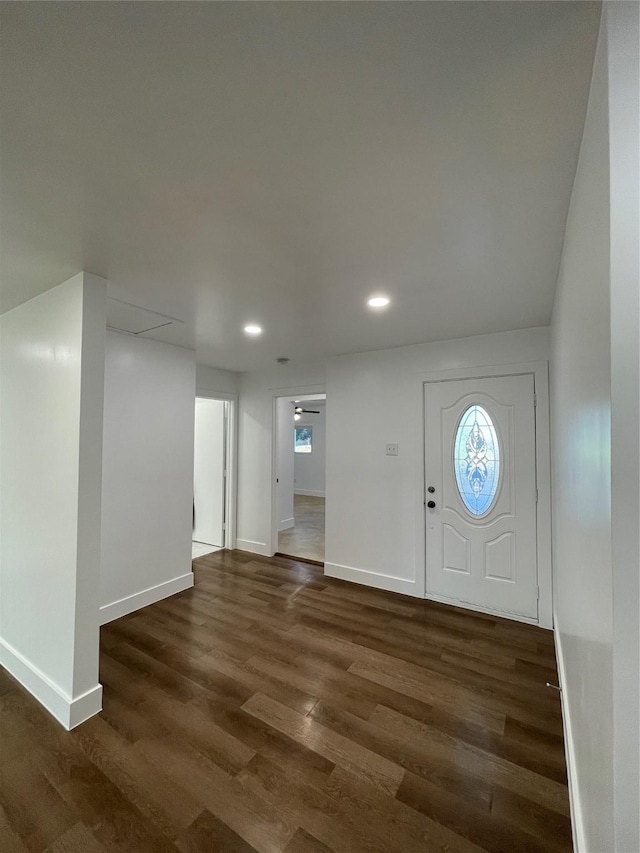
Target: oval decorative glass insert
[476, 460]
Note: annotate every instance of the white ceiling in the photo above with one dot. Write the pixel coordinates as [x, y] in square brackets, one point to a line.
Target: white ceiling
[279, 162]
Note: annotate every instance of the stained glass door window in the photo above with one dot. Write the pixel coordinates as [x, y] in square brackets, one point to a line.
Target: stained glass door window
[476, 460]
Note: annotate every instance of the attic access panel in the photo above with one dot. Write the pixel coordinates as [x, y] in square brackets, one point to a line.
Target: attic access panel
[125, 317]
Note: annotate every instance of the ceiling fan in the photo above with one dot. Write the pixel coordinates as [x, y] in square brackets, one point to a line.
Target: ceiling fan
[298, 410]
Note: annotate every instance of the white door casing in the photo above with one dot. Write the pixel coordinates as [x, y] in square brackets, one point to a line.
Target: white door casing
[486, 561]
[208, 474]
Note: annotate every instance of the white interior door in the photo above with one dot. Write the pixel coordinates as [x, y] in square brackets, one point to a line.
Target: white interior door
[480, 468]
[208, 473]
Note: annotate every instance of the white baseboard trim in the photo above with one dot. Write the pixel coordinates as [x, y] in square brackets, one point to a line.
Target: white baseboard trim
[366, 578]
[85, 706]
[67, 711]
[309, 493]
[116, 609]
[254, 547]
[286, 523]
[577, 823]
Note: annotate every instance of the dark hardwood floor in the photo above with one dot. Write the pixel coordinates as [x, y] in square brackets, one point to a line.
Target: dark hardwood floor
[272, 709]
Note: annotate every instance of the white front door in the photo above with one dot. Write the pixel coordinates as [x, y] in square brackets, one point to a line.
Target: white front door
[480, 498]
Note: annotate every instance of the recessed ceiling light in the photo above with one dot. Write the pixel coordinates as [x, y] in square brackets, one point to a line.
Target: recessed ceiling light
[252, 329]
[378, 302]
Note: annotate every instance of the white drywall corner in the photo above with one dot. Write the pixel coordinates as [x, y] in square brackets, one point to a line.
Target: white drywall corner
[52, 385]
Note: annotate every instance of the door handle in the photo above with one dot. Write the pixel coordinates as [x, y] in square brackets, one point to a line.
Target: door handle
[431, 504]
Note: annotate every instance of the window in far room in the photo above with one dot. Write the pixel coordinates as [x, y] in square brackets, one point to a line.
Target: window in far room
[303, 439]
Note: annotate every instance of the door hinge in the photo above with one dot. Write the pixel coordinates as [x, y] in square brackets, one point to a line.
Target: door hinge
[224, 525]
[538, 588]
[536, 496]
[535, 399]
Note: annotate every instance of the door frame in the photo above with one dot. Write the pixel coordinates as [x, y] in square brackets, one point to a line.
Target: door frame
[274, 393]
[231, 461]
[540, 372]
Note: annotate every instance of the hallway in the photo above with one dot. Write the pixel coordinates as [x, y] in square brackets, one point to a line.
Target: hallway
[306, 538]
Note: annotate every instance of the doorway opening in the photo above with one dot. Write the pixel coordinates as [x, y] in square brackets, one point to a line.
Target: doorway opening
[210, 474]
[300, 476]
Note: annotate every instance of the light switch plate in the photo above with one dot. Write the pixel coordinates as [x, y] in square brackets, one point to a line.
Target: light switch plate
[392, 449]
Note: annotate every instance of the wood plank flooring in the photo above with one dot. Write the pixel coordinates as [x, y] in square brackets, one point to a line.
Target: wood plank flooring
[272, 709]
[306, 538]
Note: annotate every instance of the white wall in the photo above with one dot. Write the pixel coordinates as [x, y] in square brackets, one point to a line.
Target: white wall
[211, 381]
[374, 521]
[256, 479]
[581, 441]
[52, 374]
[374, 502]
[623, 32]
[596, 424]
[284, 470]
[309, 468]
[148, 473]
